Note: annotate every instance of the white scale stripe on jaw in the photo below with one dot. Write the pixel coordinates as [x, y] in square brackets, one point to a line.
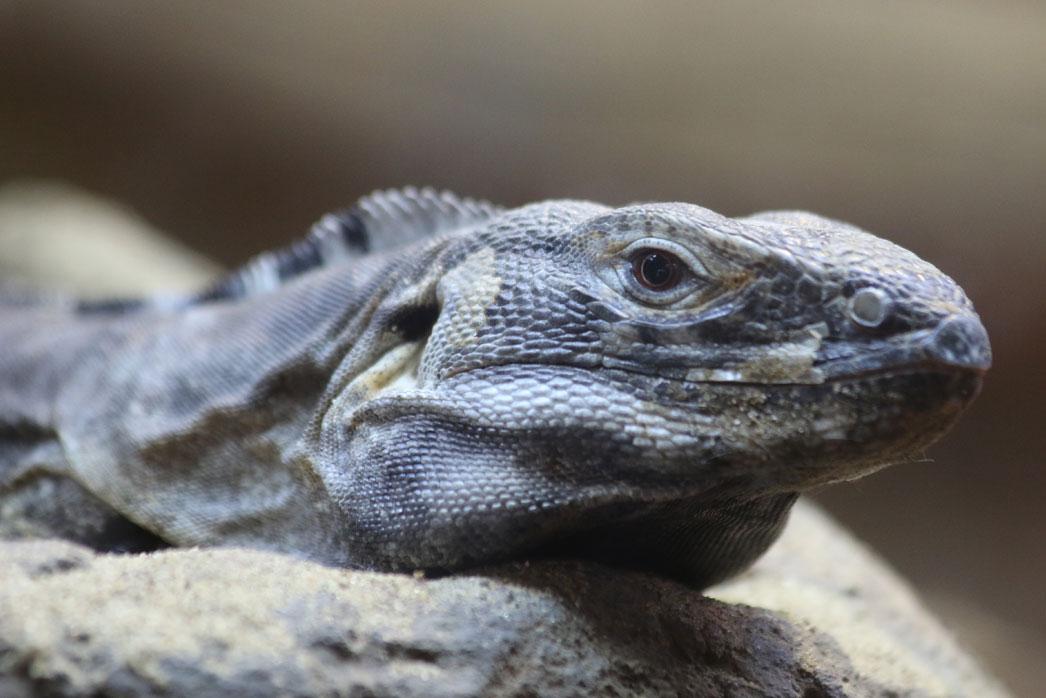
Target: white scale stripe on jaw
[787, 362]
[790, 361]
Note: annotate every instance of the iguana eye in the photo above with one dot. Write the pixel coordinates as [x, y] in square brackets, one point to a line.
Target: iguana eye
[656, 269]
[657, 272]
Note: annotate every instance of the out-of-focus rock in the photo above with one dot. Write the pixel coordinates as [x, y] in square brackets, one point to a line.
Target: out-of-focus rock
[239, 622]
[57, 237]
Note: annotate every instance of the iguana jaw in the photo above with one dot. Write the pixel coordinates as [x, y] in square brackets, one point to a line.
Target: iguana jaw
[959, 344]
[779, 437]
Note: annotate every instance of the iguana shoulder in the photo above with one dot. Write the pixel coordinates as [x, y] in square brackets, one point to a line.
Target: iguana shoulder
[146, 395]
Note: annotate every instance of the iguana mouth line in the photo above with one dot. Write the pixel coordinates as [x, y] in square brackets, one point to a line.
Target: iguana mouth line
[910, 368]
[918, 367]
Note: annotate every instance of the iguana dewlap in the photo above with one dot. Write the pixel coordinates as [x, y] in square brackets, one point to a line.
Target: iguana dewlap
[428, 382]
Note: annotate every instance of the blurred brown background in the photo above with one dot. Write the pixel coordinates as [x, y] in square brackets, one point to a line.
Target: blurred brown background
[233, 125]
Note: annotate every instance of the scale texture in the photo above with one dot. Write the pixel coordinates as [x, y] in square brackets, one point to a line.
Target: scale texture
[430, 382]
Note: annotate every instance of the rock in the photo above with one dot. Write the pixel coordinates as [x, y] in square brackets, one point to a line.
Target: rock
[58, 237]
[231, 622]
[820, 574]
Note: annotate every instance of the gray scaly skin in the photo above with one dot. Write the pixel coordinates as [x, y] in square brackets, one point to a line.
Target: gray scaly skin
[433, 383]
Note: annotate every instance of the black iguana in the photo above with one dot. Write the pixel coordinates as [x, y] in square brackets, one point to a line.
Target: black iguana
[429, 382]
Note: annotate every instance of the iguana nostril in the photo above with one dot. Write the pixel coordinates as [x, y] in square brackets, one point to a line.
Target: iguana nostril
[870, 307]
[961, 342]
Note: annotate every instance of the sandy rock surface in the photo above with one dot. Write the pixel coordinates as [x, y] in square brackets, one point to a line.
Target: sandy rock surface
[225, 622]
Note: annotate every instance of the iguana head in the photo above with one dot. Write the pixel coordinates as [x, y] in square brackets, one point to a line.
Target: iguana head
[785, 339]
[589, 367]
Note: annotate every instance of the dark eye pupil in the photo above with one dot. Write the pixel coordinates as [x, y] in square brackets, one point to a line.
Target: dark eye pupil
[656, 270]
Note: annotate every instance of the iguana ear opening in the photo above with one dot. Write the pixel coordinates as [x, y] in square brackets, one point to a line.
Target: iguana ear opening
[415, 322]
[390, 356]
[410, 324]
[398, 368]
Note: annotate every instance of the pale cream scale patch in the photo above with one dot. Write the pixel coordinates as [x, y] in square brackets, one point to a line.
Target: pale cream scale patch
[475, 284]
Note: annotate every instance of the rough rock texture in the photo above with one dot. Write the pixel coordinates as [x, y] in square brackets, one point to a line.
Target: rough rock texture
[236, 622]
[819, 574]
